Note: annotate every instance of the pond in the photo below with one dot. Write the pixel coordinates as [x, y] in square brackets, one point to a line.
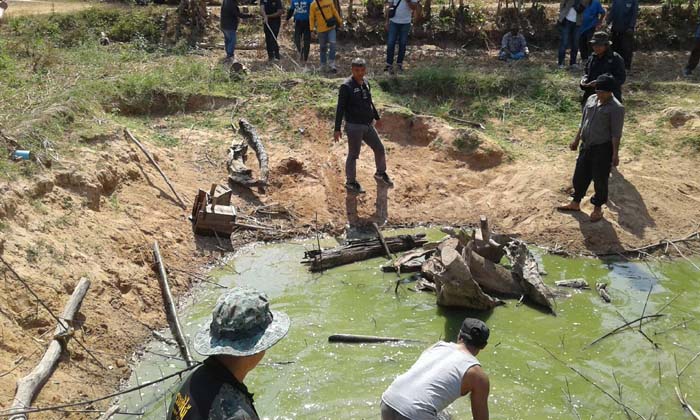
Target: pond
[305, 377]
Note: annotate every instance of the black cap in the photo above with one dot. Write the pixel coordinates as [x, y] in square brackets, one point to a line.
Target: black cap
[359, 62]
[600, 38]
[605, 83]
[474, 332]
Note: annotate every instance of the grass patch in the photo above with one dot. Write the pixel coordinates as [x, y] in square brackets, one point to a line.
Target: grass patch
[692, 142]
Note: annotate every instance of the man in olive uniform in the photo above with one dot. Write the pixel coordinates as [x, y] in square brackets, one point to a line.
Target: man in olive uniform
[242, 328]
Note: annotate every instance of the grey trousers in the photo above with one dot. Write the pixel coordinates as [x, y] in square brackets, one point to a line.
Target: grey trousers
[389, 413]
[357, 133]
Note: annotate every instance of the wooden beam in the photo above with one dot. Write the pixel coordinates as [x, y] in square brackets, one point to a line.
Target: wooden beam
[29, 386]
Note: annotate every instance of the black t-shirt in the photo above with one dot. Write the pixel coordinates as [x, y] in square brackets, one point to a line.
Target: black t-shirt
[212, 392]
[272, 6]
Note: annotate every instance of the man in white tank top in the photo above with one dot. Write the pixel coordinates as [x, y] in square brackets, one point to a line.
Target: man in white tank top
[443, 373]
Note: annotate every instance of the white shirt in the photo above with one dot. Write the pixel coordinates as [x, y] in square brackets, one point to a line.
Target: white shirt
[403, 11]
[571, 16]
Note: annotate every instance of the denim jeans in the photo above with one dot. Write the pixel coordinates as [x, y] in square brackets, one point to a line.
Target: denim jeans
[505, 55]
[569, 39]
[229, 41]
[397, 32]
[325, 39]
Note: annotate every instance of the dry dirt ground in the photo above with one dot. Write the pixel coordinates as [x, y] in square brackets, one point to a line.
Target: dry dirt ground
[98, 215]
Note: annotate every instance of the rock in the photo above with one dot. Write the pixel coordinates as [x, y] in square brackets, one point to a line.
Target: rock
[678, 117]
[121, 363]
[109, 180]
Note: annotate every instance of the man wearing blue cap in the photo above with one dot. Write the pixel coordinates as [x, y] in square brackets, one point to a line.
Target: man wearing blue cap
[599, 136]
[242, 328]
[443, 373]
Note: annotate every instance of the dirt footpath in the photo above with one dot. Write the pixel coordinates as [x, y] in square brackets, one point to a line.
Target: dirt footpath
[98, 218]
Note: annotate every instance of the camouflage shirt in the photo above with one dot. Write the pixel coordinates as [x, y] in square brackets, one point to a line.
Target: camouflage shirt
[212, 392]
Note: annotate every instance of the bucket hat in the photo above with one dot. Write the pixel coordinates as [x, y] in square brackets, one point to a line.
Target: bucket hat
[242, 325]
[600, 38]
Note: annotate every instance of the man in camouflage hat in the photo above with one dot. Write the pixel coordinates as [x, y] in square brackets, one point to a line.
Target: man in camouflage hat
[242, 328]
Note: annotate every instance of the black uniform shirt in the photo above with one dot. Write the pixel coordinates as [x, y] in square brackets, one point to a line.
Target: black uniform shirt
[355, 104]
[272, 6]
[610, 63]
[212, 392]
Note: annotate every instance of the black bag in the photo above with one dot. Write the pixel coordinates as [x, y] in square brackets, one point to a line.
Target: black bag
[392, 9]
[331, 23]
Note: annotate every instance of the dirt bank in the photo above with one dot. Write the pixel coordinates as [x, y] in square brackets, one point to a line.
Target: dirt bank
[97, 211]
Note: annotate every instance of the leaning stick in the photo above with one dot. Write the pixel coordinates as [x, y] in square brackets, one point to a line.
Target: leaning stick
[622, 327]
[351, 338]
[170, 310]
[153, 161]
[383, 242]
[29, 386]
[110, 412]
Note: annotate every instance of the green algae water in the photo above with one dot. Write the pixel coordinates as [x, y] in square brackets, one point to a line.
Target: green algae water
[305, 377]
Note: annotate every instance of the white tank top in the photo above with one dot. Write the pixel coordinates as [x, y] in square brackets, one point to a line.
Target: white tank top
[431, 384]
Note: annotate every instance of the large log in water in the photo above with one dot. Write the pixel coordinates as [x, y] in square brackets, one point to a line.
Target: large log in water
[493, 278]
[455, 285]
[526, 271]
[360, 250]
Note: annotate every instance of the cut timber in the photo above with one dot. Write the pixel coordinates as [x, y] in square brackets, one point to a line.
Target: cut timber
[153, 161]
[525, 270]
[352, 338]
[248, 131]
[29, 386]
[456, 286]
[574, 283]
[360, 250]
[493, 278]
[169, 305]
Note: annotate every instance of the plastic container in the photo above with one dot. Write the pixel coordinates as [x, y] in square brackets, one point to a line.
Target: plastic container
[21, 155]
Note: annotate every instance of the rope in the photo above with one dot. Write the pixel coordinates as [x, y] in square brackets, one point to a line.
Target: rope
[279, 45]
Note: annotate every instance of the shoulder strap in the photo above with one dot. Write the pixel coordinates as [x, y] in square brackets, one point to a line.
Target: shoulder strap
[320, 9]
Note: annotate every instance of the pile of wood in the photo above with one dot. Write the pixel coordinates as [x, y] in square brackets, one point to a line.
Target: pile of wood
[360, 250]
[464, 270]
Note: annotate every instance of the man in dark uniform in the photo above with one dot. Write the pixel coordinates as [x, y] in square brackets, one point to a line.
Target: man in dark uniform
[272, 11]
[622, 15]
[242, 328]
[356, 107]
[599, 135]
[603, 61]
[694, 58]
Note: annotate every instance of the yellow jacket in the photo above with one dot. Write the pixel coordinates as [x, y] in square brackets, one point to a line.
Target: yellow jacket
[316, 20]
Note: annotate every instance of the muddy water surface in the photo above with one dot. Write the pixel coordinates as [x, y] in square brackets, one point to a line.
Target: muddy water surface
[305, 377]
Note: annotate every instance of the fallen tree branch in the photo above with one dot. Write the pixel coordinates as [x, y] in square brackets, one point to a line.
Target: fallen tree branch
[685, 405]
[622, 327]
[29, 386]
[248, 131]
[153, 161]
[352, 338]
[169, 306]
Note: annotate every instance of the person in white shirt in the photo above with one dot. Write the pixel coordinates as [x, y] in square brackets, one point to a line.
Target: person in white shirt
[443, 373]
[399, 14]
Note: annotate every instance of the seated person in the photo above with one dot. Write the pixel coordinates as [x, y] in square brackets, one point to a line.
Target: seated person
[513, 46]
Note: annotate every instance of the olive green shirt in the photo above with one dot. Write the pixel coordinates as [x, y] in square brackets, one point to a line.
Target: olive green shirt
[601, 122]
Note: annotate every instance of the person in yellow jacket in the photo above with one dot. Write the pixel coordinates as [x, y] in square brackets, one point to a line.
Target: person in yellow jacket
[325, 20]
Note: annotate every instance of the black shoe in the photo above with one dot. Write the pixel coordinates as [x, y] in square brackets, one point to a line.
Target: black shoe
[389, 69]
[354, 187]
[383, 177]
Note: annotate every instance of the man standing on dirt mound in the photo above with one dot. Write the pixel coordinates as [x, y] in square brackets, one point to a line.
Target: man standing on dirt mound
[356, 107]
[443, 373]
[242, 328]
[601, 131]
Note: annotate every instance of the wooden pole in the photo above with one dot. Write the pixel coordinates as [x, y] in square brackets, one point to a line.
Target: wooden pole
[29, 386]
[153, 161]
[169, 305]
[381, 239]
[352, 338]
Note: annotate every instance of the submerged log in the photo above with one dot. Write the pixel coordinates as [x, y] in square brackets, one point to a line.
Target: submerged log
[573, 283]
[360, 250]
[410, 262]
[455, 285]
[527, 273]
[352, 338]
[29, 386]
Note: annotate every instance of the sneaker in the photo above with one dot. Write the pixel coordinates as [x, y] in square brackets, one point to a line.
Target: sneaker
[383, 177]
[333, 68]
[354, 187]
[389, 69]
[561, 66]
[399, 68]
[574, 66]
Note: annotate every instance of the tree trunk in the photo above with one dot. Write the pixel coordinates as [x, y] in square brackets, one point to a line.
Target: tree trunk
[493, 278]
[29, 386]
[526, 271]
[254, 141]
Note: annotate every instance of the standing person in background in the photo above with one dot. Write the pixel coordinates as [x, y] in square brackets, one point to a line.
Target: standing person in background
[399, 14]
[230, 18]
[570, 18]
[695, 52]
[622, 15]
[302, 30]
[325, 20]
[272, 11]
[592, 18]
[603, 61]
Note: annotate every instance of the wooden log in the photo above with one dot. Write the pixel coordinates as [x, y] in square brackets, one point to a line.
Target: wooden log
[153, 161]
[352, 338]
[381, 239]
[525, 270]
[111, 411]
[602, 289]
[169, 305]
[493, 278]
[360, 250]
[29, 386]
[456, 287]
[248, 131]
[573, 283]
